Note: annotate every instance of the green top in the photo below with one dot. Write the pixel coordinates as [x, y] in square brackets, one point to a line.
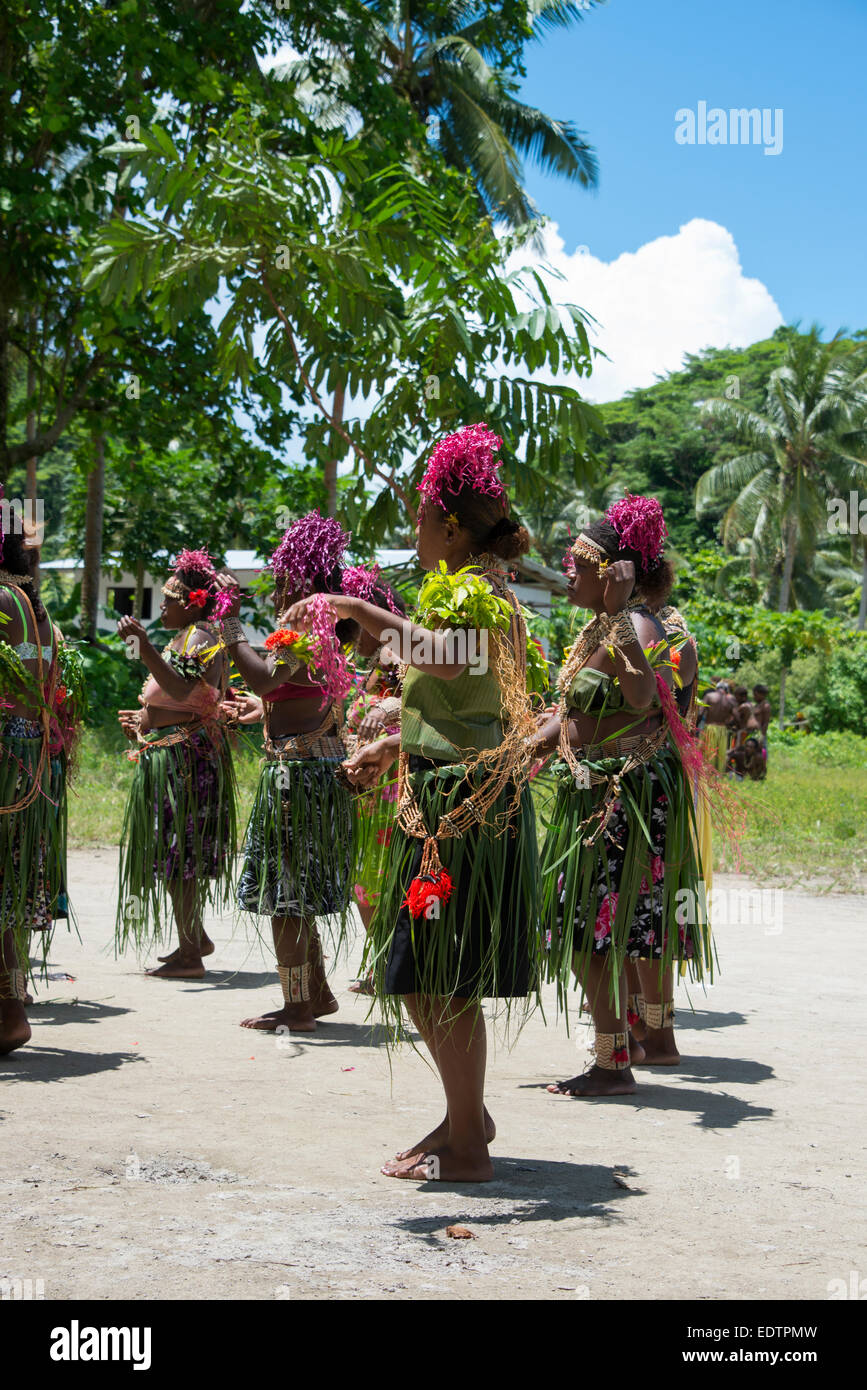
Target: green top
[595, 692]
[442, 719]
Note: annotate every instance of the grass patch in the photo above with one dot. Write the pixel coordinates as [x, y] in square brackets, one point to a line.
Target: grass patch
[97, 796]
[806, 821]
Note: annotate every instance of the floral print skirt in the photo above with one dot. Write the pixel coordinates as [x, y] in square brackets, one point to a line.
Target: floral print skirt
[636, 890]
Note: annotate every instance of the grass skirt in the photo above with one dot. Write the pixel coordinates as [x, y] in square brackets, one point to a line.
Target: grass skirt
[715, 741]
[179, 828]
[375, 812]
[636, 893]
[32, 840]
[299, 850]
[485, 942]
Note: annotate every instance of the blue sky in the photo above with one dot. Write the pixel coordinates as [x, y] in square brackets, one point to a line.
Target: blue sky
[798, 219]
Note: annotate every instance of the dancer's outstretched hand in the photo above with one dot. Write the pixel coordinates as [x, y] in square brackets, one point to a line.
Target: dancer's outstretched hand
[372, 724]
[246, 708]
[296, 616]
[371, 762]
[130, 721]
[231, 606]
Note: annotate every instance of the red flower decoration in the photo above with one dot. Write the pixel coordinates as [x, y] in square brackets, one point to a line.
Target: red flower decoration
[632, 1017]
[426, 890]
[620, 1055]
[198, 598]
[675, 659]
[283, 637]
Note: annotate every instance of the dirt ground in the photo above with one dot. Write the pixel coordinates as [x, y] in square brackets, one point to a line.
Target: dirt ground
[151, 1148]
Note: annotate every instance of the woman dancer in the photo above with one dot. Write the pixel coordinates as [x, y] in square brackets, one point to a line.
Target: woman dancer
[374, 714]
[650, 1002]
[179, 833]
[457, 919]
[36, 712]
[299, 845]
[619, 860]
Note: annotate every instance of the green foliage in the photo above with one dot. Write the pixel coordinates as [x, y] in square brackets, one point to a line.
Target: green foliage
[394, 291]
[807, 444]
[840, 701]
[804, 824]
[657, 441]
[462, 599]
[113, 681]
[538, 675]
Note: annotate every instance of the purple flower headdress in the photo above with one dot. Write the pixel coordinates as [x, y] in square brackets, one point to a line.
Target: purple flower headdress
[463, 459]
[312, 548]
[363, 581]
[640, 525]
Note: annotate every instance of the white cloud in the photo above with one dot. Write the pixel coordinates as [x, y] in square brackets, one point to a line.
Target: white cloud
[674, 295]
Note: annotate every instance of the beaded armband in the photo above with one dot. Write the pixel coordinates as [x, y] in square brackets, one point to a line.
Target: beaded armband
[233, 631]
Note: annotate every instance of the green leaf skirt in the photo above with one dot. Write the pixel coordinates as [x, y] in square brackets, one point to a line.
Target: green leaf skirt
[32, 840]
[179, 829]
[637, 892]
[485, 942]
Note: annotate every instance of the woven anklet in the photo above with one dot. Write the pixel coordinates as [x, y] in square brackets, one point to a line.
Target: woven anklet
[295, 982]
[658, 1016]
[13, 985]
[612, 1051]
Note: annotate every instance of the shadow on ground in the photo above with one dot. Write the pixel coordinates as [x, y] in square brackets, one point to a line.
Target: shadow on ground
[549, 1191]
[73, 1011]
[34, 1063]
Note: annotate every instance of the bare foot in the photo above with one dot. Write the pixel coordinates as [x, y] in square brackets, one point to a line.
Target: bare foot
[298, 1018]
[596, 1082]
[183, 968]
[322, 1001]
[365, 986]
[207, 949]
[636, 1050]
[14, 1028]
[660, 1049]
[438, 1137]
[455, 1165]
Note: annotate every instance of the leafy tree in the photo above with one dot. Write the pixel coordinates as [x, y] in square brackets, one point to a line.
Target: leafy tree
[809, 444]
[457, 67]
[398, 293]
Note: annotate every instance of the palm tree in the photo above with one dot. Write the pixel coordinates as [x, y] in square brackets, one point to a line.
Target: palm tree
[807, 449]
[443, 59]
[555, 519]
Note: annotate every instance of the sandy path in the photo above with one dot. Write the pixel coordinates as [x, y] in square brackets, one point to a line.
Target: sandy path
[150, 1148]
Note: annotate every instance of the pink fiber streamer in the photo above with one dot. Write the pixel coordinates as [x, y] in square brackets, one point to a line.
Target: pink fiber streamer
[689, 748]
[330, 662]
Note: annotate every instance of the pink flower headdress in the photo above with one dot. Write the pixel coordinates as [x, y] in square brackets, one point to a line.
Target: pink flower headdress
[363, 581]
[198, 562]
[640, 525]
[312, 548]
[463, 459]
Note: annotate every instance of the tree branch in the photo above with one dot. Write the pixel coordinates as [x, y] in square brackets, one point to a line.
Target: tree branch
[389, 479]
[44, 442]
